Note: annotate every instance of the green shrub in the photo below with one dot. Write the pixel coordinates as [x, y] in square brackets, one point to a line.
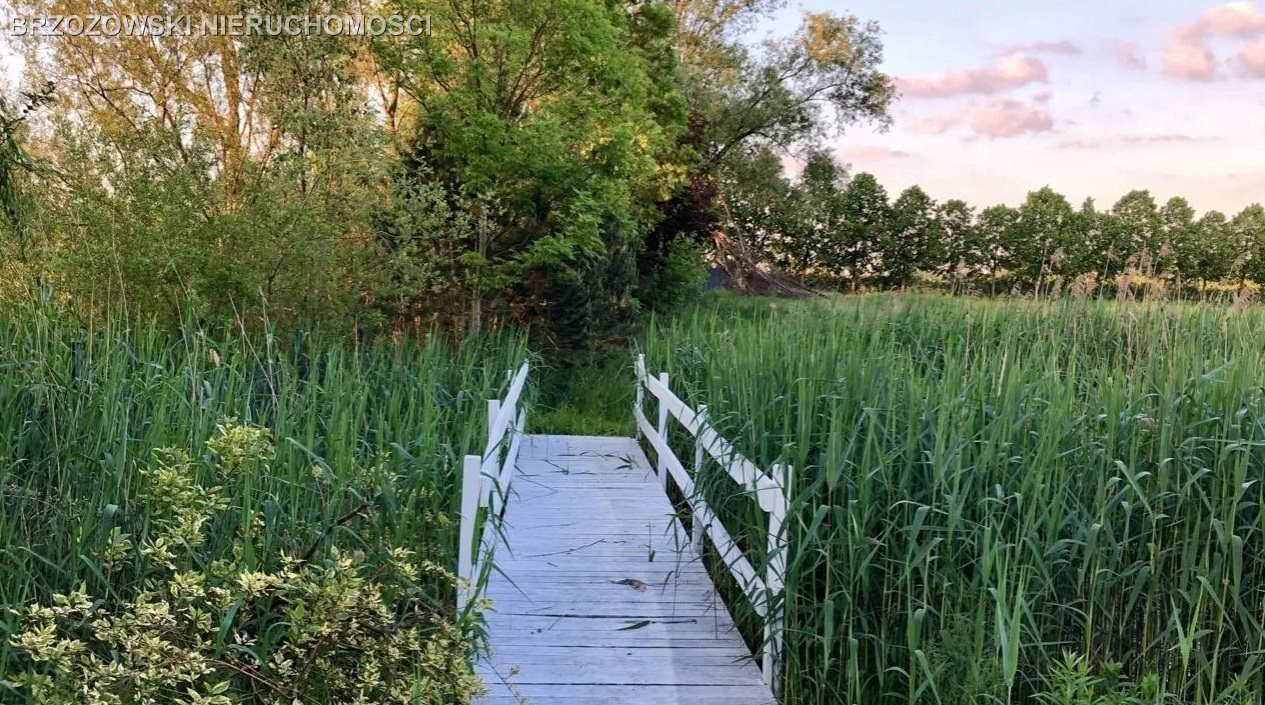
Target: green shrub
[679, 280]
[339, 623]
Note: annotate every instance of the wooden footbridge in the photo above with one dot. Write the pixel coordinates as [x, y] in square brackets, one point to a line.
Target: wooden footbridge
[598, 591]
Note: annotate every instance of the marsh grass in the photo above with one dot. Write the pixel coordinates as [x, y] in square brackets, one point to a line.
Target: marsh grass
[982, 487]
[367, 439]
[592, 398]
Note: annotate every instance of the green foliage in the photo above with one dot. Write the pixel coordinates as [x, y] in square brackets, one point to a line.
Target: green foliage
[361, 452]
[1072, 682]
[332, 625]
[155, 232]
[679, 280]
[912, 239]
[996, 227]
[16, 165]
[750, 107]
[1043, 228]
[866, 217]
[592, 398]
[168, 188]
[555, 147]
[760, 204]
[824, 78]
[981, 485]
[837, 230]
[962, 246]
[1248, 232]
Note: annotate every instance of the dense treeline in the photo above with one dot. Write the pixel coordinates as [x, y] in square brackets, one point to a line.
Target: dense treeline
[544, 162]
[848, 231]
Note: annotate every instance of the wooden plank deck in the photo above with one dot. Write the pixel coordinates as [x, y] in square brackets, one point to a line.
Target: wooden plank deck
[602, 601]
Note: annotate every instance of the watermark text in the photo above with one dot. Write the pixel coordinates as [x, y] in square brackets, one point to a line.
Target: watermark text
[218, 25]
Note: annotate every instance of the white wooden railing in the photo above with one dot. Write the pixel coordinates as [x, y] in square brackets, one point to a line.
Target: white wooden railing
[769, 489]
[485, 483]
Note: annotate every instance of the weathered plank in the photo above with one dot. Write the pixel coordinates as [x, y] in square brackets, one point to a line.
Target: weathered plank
[598, 597]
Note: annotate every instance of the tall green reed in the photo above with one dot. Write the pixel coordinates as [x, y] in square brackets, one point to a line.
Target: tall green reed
[377, 427]
[981, 486]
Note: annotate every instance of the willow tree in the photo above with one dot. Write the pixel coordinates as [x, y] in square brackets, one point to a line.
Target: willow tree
[784, 95]
[16, 164]
[208, 170]
[18, 199]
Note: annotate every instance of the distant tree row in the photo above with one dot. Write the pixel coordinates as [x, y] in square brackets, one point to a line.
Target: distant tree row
[843, 229]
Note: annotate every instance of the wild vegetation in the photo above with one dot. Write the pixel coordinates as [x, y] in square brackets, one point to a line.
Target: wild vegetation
[548, 162]
[254, 291]
[999, 501]
[215, 516]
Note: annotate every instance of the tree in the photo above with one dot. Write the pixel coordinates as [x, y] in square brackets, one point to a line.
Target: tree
[1134, 234]
[1181, 240]
[550, 120]
[1082, 248]
[995, 230]
[1215, 251]
[822, 79]
[1248, 231]
[761, 205]
[207, 170]
[707, 33]
[1041, 234]
[17, 166]
[962, 249]
[913, 239]
[866, 217]
[825, 76]
[818, 219]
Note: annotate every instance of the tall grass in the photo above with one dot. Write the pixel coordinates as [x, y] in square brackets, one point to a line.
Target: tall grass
[83, 405]
[983, 486]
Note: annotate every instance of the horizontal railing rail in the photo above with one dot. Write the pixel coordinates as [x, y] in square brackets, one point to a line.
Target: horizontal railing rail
[768, 489]
[485, 484]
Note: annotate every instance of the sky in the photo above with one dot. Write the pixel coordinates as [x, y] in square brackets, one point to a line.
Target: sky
[1093, 98]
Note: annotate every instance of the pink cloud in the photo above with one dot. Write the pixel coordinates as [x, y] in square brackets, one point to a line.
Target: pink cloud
[1252, 58]
[1009, 118]
[1189, 54]
[1062, 46]
[1004, 73]
[1232, 19]
[1189, 57]
[997, 119]
[873, 152]
[1129, 56]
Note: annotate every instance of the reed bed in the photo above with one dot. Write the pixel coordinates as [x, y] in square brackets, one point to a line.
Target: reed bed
[1000, 501]
[368, 440]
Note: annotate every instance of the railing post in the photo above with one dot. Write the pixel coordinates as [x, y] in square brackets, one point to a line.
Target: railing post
[639, 391]
[471, 484]
[494, 410]
[663, 431]
[696, 522]
[774, 581]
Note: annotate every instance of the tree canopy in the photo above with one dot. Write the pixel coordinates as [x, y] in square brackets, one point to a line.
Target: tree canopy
[842, 230]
